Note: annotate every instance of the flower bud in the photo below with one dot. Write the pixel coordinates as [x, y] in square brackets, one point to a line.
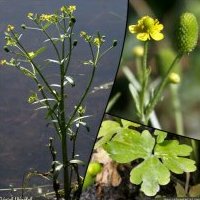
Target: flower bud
[75, 43]
[138, 51]
[23, 26]
[6, 49]
[174, 78]
[114, 43]
[187, 33]
[72, 21]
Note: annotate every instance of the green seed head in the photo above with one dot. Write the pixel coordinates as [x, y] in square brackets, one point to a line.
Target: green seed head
[187, 33]
[94, 168]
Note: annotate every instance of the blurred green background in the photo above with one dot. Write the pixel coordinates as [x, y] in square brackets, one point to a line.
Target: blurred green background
[162, 52]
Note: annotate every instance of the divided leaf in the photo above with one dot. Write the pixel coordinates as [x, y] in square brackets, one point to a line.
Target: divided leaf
[130, 145]
[161, 135]
[149, 178]
[127, 124]
[107, 130]
[171, 152]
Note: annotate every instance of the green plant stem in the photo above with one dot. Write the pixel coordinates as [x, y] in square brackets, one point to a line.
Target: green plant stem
[70, 52]
[177, 109]
[95, 62]
[73, 150]
[144, 84]
[160, 89]
[139, 68]
[50, 109]
[79, 104]
[46, 83]
[187, 182]
[37, 69]
[50, 39]
[64, 134]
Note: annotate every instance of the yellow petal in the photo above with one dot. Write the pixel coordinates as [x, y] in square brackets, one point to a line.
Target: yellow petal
[133, 28]
[157, 35]
[158, 27]
[143, 36]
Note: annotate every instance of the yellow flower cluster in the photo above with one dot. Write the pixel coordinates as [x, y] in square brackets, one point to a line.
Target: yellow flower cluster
[147, 28]
[48, 17]
[31, 54]
[98, 41]
[10, 41]
[68, 9]
[10, 28]
[72, 8]
[3, 62]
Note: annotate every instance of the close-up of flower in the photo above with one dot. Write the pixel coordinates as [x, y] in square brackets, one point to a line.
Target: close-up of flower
[147, 28]
[10, 28]
[49, 18]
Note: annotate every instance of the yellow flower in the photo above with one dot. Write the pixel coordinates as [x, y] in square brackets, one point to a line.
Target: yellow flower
[3, 62]
[49, 18]
[10, 41]
[68, 9]
[30, 15]
[31, 54]
[98, 41]
[10, 28]
[72, 8]
[147, 28]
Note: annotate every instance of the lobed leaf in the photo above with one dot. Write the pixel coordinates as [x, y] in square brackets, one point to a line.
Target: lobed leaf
[161, 135]
[149, 178]
[171, 154]
[127, 124]
[106, 132]
[130, 145]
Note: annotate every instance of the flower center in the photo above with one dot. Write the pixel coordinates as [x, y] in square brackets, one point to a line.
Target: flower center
[148, 23]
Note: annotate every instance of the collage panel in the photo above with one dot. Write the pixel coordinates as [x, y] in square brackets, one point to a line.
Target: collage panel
[158, 79]
[58, 62]
[133, 161]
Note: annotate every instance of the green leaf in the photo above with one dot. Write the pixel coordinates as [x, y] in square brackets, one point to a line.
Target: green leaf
[53, 61]
[46, 26]
[44, 100]
[180, 191]
[130, 145]
[26, 72]
[127, 124]
[150, 174]
[69, 80]
[171, 152]
[195, 191]
[51, 111]
[39, 51]
[135, 96]
[107, 130]
[161, 135]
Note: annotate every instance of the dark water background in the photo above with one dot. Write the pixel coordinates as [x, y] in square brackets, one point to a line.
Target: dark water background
[23, 131]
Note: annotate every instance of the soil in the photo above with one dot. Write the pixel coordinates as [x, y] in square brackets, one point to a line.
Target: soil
[125, 191]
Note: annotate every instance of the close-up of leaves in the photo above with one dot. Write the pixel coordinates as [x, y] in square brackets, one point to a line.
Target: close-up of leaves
[155, 163]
